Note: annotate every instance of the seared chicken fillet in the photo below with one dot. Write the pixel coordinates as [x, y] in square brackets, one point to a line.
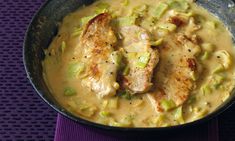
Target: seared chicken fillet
[177, 68]
[136, 44]
[97, 41]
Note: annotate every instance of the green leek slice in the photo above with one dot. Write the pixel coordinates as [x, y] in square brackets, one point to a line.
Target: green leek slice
[143, 59]
[159, 10]
[104, 114]
[113, 103]
[102, 7]
[75, 69]
[206, 89]
[77, 32]
[126, 21]
[157, 43]
[85, 20]
[116, 57]
[178, 114]
[205, 56]
[63, 46]
[126, 70]
[178, 5]
[168, 26]
[68, 91]
[167, 104]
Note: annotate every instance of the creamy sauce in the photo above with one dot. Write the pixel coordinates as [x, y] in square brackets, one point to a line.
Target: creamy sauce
[209, 89]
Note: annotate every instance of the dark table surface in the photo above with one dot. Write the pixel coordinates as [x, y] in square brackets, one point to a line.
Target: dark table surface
[23, 115]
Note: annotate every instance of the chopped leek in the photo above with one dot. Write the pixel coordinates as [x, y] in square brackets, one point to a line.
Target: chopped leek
[211, 24]
[126, 21]
[126, 70]
[159, 120]
[137, 102]
[82, 107]
[148, 23]
[99, 11]
[208, 47]
[113, 103]
[69, 91]
[120, 36]
[217, 81]
[218, 69]
[85, 20]
[116, 57]
[77, 32]
[162, 32]
[63, 46]
[143, 59]
[186, 15]
[158, 11]
[88, 111]
[167, 104]
[102, 7]
[205, 56]
[201, 113]
[140, 10]
[116, 124]
[75, 69]
[178, 5]
[178, 114]
[206, 89]
[157, 43]
[104, 114]
[224, 58]
[194, 75]
[116, 85]
[168, 26]
[128, 120]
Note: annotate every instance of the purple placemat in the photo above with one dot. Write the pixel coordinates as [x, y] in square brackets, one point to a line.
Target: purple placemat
[23, 115]
[68, 130]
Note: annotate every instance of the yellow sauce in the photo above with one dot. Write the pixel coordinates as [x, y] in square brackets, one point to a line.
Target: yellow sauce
[138, 112]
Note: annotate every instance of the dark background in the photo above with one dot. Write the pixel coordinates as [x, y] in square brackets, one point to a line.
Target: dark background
[23, 115]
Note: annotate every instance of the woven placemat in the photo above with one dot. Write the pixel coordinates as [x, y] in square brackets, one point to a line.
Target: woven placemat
[23, 115]
[68, 130]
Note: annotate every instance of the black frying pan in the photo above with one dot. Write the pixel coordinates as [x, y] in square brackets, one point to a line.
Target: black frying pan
[44, 27]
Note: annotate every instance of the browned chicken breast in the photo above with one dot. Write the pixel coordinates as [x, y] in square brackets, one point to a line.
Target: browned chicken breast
[97, 41]
[140, 57]
[177, 71]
